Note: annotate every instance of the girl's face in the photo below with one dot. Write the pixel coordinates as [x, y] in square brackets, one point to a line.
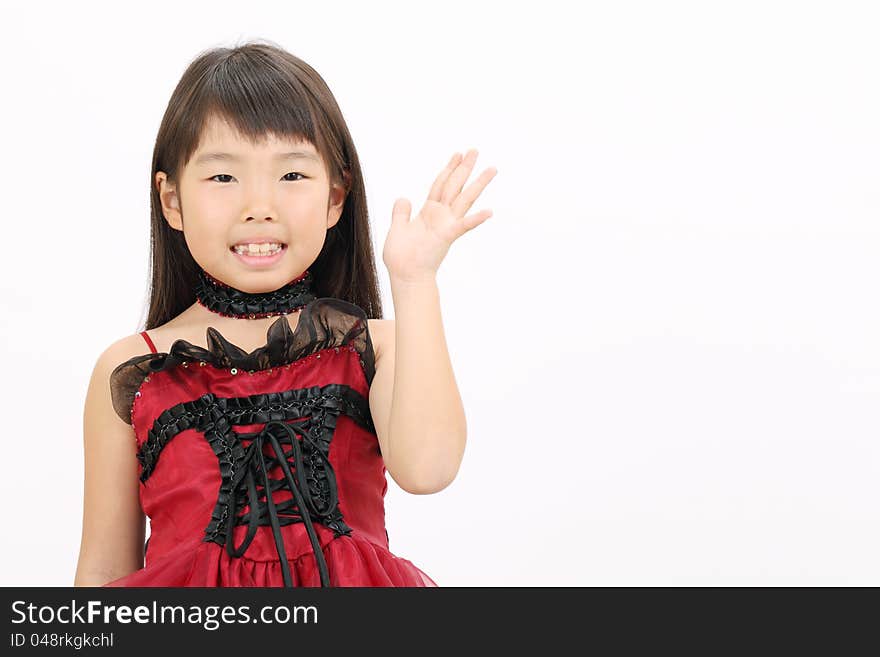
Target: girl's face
[231, 192]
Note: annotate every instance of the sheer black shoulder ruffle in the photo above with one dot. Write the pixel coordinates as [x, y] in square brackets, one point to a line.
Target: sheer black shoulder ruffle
[324, 322]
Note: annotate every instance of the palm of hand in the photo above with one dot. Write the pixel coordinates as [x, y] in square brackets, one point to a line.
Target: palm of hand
[415, 248]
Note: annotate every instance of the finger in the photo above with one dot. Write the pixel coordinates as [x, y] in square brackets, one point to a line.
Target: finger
[473, 220]
[440, 180]
[452, 188]
[401, 211]
[466, 199]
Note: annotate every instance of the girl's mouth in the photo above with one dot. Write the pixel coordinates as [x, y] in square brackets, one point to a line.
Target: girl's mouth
[258, 258]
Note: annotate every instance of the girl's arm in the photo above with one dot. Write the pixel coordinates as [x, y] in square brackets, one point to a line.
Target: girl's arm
[423, 438]
[414, 399]
[113, 526]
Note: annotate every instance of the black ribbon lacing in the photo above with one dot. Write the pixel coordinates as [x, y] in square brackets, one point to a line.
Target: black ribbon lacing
[255, 463]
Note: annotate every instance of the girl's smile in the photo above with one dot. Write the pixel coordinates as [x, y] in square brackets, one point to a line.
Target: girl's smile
[258, 256]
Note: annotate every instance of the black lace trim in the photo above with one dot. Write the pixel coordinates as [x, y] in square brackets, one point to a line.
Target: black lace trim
[312, 481]
[223, 299]
[323, 323]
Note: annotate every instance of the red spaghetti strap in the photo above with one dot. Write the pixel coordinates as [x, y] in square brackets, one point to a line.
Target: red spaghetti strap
[149, 341]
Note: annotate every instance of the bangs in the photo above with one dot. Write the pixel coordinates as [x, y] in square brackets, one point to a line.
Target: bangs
[256, 99]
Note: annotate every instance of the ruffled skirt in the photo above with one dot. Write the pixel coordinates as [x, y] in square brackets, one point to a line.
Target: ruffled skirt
[351, 561]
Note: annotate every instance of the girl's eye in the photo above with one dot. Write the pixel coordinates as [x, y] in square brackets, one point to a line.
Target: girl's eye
[292, 173]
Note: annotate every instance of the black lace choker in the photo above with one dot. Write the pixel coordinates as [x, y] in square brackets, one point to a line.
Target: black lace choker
[224, 300]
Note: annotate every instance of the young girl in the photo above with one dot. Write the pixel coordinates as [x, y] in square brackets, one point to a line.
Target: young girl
[254, 419]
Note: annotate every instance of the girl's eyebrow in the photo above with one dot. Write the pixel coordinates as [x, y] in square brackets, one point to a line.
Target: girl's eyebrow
[230, 157]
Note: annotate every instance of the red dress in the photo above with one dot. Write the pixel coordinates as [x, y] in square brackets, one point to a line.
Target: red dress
[219, 428]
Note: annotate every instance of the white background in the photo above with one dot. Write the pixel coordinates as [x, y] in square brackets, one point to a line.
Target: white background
[666, 337]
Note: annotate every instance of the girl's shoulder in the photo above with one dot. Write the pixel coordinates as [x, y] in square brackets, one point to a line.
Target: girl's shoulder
[122, 350]
[126, 350]
[381, 334]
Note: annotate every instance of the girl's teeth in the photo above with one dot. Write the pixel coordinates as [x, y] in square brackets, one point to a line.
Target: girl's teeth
[258, 249]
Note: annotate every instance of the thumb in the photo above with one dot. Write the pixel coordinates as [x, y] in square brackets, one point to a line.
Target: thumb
[401, 211]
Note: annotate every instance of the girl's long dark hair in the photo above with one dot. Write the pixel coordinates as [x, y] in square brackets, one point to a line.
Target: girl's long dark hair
[260, 88]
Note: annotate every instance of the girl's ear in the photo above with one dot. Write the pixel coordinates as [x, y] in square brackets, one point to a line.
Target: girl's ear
[338, 194]
[169, 200]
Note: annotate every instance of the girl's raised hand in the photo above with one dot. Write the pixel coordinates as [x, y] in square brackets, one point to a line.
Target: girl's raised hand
[414, 249]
